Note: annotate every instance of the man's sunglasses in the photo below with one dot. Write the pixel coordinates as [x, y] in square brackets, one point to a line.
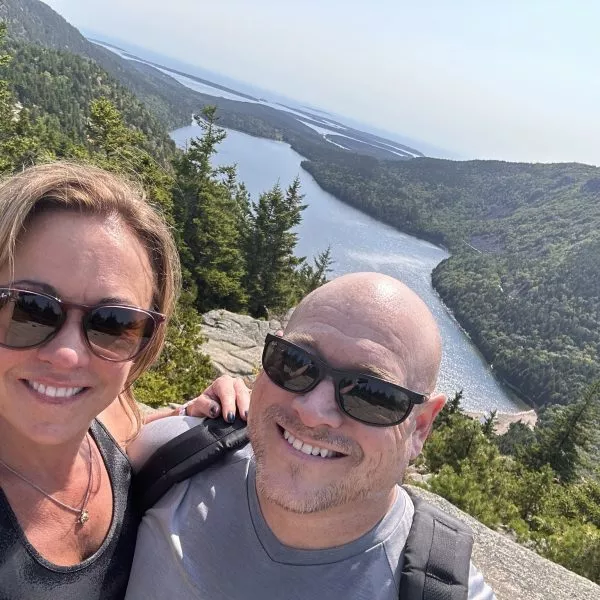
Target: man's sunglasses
[112, 331]
[362, 397]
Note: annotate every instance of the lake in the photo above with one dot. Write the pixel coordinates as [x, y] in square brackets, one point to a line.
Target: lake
[360, 243]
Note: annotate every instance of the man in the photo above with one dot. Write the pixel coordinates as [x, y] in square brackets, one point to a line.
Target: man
[315, 511]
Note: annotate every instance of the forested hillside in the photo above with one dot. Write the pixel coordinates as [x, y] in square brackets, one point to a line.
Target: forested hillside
[525, 244]
[172, 103]
[63, 85]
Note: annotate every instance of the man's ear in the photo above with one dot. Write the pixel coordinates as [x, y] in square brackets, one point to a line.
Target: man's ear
[424, 417]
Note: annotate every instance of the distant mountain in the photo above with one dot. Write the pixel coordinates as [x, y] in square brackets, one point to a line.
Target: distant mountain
[33, 22]
[219, 79]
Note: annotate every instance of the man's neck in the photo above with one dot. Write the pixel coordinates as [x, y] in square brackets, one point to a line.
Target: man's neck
[328, 528]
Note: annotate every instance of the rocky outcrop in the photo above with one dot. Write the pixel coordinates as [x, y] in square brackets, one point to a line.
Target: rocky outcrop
[234, 342]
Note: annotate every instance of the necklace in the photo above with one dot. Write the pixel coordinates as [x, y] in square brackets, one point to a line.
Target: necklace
[83, 515]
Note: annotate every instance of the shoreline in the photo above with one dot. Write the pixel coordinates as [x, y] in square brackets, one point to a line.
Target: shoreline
[503, 420]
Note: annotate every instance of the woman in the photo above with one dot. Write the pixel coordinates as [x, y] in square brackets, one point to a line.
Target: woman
[89, 276]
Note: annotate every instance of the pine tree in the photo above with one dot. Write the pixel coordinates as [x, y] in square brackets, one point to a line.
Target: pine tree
[518, 436]
[272, 278]
[120, 148]
[210, 212]
[312, 277]
[20, 143]
[567, 435]
[488, 426]
[450, 411]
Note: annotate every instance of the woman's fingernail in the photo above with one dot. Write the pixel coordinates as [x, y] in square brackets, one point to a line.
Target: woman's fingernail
[214, 409]
[230, 417]
[245, 414]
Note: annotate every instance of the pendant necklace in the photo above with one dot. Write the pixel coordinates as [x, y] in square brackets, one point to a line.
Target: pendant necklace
[82, 513]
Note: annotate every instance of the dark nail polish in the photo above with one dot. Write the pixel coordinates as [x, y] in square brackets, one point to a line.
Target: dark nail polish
[230, 417]
[245, 414]
[214, 410]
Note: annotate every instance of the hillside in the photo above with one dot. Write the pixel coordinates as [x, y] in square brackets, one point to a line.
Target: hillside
[525, 244]
[172, 103]
[61, 86]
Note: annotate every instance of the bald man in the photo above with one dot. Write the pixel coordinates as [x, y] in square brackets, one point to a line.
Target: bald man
[313, 509]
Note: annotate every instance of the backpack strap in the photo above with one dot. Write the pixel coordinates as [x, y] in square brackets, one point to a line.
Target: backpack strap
[437, 556]
[190, 452]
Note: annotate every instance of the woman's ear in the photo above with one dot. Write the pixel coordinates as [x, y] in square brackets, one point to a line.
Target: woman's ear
[424, 418]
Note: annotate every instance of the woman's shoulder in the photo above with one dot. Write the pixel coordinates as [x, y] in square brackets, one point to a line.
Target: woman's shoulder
[157, 433]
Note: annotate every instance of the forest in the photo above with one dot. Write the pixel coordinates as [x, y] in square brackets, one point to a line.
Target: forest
[523, 240]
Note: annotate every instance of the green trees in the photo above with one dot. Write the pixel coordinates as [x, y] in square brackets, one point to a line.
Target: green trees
[210, 210]
[238, 253]
[540, 492]
[20, 142]
[566, 435]
[272, 277]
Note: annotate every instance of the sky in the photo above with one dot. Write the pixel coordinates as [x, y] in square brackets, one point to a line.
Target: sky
[511, 80]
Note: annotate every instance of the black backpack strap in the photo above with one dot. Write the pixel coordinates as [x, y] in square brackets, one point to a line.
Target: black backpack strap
[184, 455]
[437, 556]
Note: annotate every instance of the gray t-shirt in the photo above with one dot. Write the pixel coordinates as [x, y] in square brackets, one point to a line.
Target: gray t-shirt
[207, 539]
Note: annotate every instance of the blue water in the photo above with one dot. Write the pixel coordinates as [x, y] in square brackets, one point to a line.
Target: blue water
[360, 243]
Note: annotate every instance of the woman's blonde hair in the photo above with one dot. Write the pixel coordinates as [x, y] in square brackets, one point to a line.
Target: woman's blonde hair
[90, 190]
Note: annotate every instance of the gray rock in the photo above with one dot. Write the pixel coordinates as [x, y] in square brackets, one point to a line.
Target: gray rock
[235, 342]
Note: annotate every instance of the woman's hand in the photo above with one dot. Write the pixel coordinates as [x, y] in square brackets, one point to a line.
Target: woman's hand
[225, 396]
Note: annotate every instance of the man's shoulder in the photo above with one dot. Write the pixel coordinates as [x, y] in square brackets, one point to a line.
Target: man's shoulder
[156, 434]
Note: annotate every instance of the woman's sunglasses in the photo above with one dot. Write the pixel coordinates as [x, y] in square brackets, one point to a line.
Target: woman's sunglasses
[364, 398]
[113, 332]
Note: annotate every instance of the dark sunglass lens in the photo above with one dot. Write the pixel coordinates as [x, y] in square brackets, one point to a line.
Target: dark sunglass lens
[289, 367]
[118, 332]
[28, 319]
[372, 401]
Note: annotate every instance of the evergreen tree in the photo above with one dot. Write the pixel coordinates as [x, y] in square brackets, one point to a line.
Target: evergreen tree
[518, 436]
[272, 279]
[209, 208]
[568, 434]
[449, 412]
[120, 148]
[452, 444]
[181, 370]
[21, 144]
[488, 427]
[312, 277]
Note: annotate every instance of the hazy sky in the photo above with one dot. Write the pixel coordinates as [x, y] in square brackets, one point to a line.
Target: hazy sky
[515, 80]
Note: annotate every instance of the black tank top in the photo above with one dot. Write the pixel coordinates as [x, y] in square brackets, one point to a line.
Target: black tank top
[25, 575]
